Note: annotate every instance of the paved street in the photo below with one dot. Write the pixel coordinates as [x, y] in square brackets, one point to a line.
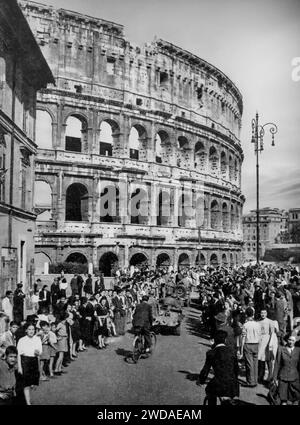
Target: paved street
[168, 377]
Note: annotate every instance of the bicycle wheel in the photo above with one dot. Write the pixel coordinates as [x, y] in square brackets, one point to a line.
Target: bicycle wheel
[137, 349]
[153, 341]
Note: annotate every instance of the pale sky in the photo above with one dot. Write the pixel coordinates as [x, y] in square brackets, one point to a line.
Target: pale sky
[253, 42]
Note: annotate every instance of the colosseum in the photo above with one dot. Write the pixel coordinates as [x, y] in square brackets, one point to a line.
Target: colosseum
[154, 123]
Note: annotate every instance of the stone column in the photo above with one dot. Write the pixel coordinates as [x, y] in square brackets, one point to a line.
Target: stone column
[61, 129]
[61, 207]
[153, 205]
[124, 191]
[95, 216]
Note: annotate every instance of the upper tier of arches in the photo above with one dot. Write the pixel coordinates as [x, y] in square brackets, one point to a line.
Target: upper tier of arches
[139, 142]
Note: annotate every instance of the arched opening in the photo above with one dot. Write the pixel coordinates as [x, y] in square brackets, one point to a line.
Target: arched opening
[40, 261]
[232, 218]
[76, 133]
[214, 215]
[43, 130]
[185, 210]
[42, 194]
[43, 200]
[138, 143]
[225, 217]
[76, 257]
[231, 169]
[134, 144]
[139, 260]
[206, 214]
[237, 218]
[200, 260]
[139, 207]
[108, 264]
[224, 260]
[110, 204]
[77, 203]
[183, 261]
[231, 260]
[162, 147]
[214, 260]
[183, 147]
[163, 261]
[236, 172]
[164, 208]
[223, 165]
[108, 140]
[77, 263]
[200, 157]
[213, 161]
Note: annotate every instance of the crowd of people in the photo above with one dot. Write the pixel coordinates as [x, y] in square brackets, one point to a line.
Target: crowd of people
[256, 307]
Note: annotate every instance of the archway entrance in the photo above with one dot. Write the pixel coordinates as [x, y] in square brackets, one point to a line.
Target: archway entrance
[163, 260]
[224, 260]
[77, 263]
[108, 264]
[214, 260]
[200, 260]
[76, 257]
[77, 203]
[139, 260]
[183, 261]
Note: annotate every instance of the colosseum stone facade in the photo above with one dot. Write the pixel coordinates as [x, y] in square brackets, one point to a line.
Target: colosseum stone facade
[155, 123]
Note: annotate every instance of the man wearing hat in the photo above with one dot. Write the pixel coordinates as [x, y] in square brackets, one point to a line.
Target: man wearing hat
[222, 325]
[225, 366]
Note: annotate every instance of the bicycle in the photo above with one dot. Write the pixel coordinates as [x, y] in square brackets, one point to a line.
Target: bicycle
[139, 345]
[222, 401]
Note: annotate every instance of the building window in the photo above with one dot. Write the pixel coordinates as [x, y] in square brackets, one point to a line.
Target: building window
[163, 78]
[23, 188]
[110, 66]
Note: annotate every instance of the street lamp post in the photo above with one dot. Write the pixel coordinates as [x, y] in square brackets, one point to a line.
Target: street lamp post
[258, 133]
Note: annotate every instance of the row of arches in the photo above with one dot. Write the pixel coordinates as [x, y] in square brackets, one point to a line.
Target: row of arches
[109, 262]
[204, 158]
[216, 214]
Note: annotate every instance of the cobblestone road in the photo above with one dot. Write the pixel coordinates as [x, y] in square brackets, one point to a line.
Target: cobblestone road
[103, 377]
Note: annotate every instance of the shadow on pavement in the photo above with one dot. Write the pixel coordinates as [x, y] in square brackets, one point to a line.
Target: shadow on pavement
[195, 327]
[189, 375]
[123, 352]
[263, 396]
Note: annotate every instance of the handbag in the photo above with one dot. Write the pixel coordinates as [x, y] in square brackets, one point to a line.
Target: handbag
[273, 394]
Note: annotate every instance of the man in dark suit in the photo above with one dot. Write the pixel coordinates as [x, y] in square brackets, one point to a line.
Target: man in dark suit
[142, 319]
[223, 361]
[18, 304]
[74, 285]
[286, 371]
[44, 298]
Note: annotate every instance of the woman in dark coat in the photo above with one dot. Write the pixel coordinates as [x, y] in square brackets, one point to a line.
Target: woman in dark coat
[102, 314]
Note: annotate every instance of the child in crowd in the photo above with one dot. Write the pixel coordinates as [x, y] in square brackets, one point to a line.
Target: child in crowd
[53, 342]
[62, 342]
[45, 356]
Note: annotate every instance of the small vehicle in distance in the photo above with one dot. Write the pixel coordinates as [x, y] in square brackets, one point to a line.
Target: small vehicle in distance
[170, 317]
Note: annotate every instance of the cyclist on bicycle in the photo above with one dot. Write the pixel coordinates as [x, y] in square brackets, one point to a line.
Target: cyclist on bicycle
[142, 321]
[223, 360]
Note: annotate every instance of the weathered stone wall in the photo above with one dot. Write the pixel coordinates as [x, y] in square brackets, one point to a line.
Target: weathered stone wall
[187, 115]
